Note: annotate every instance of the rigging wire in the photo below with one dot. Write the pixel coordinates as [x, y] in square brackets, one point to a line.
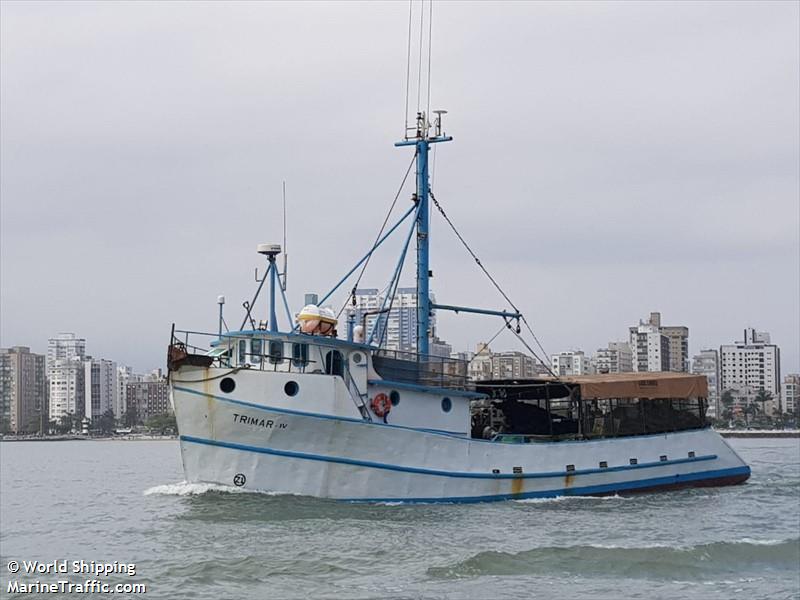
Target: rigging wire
[497, 287]
[419, 68]
[385, 327]
[378, 237]
[408, 64]
[430, 44]
[487, 344]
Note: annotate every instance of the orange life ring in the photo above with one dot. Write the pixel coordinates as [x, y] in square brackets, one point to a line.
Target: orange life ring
[381, 405]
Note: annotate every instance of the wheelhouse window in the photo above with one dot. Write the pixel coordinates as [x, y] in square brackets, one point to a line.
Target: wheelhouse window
[334, 365]
[275, 352]
[256, 348]
[242, 352]
[299, 355]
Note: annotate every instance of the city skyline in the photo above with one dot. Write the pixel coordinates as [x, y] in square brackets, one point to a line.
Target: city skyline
[668, 181]
[591, 355]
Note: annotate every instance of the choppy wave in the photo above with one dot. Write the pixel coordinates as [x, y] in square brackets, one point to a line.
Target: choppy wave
[745, 556]
[184, 488]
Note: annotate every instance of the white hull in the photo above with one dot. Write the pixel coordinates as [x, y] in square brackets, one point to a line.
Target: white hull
[263, 441]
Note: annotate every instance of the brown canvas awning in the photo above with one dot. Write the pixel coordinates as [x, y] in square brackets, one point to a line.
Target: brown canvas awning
[640, 385]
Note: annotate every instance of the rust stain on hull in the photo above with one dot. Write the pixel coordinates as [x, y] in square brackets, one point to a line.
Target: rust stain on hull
[517, 485]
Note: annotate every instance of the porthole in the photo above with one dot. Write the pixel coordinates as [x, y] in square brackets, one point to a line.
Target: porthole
[227, 385]
[357, 358]
[291, 388]
[447, 404]
[394, 397]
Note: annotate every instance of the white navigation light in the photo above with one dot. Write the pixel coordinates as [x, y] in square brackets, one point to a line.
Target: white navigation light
[220, 300]
[269, 249]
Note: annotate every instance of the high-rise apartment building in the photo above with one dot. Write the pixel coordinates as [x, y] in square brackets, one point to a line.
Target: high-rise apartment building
[706, 362]
[616, 358]
[485, 364]
[101, 387]
[148, 399]
[125, 375]
[649, 350]
[23, 391]
[513, 365]
[748, 366]
[65, 346]
[66, 384]
[790, 393]
[397, 328]
[573, 362]
[480, 364]
[65, 373]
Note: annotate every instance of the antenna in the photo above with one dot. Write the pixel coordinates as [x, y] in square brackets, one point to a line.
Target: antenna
[285, 255]
[438, 126]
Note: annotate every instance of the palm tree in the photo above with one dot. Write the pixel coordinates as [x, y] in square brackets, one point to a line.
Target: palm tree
[762, 397]
[65, 423]
[106, 422]
[750, 409]
[727, 402]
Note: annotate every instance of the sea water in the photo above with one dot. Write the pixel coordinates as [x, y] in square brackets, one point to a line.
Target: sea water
[123, 502]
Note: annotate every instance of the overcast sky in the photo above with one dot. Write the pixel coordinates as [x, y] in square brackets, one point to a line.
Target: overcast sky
[610, 159]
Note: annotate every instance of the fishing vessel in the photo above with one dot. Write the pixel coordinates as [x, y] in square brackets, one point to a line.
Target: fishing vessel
[301, 410]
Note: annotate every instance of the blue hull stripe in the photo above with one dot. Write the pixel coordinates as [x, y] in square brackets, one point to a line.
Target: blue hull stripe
[687, 479]
[438, 473]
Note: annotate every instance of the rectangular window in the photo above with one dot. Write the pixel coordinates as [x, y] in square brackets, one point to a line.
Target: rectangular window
[299, 355]
[256, 349]
[242, 351]
[275, 352]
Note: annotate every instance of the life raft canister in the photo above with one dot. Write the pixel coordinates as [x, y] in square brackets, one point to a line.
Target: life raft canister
[381, 405]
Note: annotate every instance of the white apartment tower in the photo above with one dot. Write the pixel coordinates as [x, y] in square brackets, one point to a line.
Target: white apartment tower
[707, 363]
[650, 348]
[398, 330]
[480, 364]
[574, 362]
[790, 393]
[652, 354]
[616, 358]
[66, 382]
[65, 346]
[65, 373]
[749, 366]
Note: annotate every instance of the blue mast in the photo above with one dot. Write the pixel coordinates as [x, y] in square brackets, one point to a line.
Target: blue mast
[422, 142]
